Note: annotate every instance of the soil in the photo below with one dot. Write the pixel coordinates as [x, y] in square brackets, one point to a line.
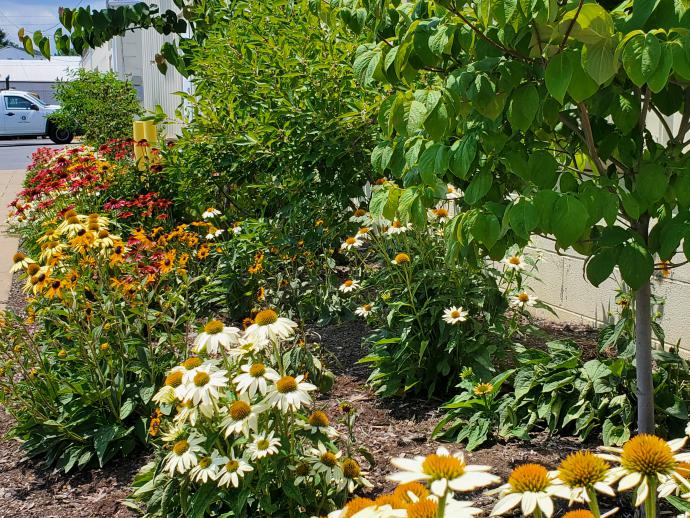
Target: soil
[385, 428]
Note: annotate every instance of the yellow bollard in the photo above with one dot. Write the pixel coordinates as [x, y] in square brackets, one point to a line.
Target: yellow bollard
[139, 134]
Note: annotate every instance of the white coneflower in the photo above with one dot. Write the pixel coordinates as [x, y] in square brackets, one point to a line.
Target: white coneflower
[397, 227]
[439, 214]
[210, 213]
[218, 232]
[452, 192]
[269, 327]
[363, 233]
[263, 445]
[350, 243]
[216, 335]
[327, 463]
[401, 258]
[21, 262]
[443, 471]
[646, 460]
[531, 486]
[166, 394]
[184, 454]
[237, 229]
[428, 507]
[353, 476]
[318, 422]
[522, 299]
[255, 378]
[364, 310]
[289, 394]
[242, 417]
[585, 473]
[359, 216]
[454, 315]
[348, 286]
[232, 471]
[514, 262]
[202, 386]
[207, 468]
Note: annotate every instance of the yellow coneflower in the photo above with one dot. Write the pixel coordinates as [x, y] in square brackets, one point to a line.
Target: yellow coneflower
[664, 268]
[21, 261]
[51, 249]
[54, 289]
[585, 473]
[483, 389]
[532, 487]
[117, 254]
[166, 264]
[356, 505]
[401, 258]
[261, 294]
[203, 252]
[83, 240]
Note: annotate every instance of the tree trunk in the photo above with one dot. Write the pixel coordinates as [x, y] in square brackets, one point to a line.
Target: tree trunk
[643, 359]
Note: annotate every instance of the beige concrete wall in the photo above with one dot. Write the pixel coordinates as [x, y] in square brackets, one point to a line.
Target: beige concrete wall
[564, 286]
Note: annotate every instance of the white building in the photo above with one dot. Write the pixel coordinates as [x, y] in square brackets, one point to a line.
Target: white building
[132, 58]
[37, 76]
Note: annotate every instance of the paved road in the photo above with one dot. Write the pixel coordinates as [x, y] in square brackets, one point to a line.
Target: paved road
[16, 154]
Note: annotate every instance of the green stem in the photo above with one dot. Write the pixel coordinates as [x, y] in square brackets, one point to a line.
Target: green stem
[650, 501]
[441, 506]
[593, 502]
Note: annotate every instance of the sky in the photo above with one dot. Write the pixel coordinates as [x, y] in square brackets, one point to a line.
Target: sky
[37, 14]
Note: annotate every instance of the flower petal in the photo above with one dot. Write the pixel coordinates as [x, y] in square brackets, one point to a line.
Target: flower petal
[629, 481]
[529, 503]
[506, 503]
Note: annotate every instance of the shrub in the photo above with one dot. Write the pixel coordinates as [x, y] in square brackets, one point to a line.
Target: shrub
[97, 104]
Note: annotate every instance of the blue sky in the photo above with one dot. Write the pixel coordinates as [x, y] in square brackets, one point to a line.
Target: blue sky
[36, 14]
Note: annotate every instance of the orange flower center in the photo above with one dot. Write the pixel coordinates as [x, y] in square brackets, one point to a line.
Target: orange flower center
[257, 370]
[329, 459]
[318, 419]
[529, 478]
[356, 505]
[523, 297]
[214, 326]
[192, 363]
[181, 447]
[174, 379]
[240, 410]
[426, 508]
[514, 260]
[266, 317]
[582, 469]
[286, 384]
[402, 258]
[443, 466]
[647, 454]
[351, 468]
[201, 378]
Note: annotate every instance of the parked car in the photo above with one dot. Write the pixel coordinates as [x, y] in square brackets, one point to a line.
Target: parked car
[25, 115]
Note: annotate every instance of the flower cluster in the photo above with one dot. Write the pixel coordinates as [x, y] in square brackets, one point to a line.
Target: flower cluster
[238, 418]
[141, 206]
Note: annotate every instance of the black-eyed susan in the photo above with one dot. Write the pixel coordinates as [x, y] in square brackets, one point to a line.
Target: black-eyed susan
[55, 287]
[117, 254]
[443, 470]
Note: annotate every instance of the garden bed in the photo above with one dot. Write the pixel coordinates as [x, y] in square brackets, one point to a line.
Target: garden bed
[384, 427]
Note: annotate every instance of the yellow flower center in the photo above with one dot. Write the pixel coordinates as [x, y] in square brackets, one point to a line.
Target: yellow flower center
[263, 444]
[417, 489]
[18, 257]
[62, 353]
[647, 454]
[396, 224]
[514, 260]
[70, 214]
[73, 220]
[257, 370]
[240, 410]
[455, 313]
[302, 470]
[402, 258]
[441, 213]
[232, 466]
[363, 230]
[192, 363]
[286, 384]
[103, 234]
[529, 478]
[33, 269]
[523, 297]
[201, 378]
[582, 469]
[359, 213]
[205, 462]
[579, 513]
[180, 447]
[214, 327]
[266, 317]
[483, 389]
[426, 508]
[329, 459]
[351, 468]
[319, 419]
[443, 466]
[348, 283]
[390, 500]
[356, 505]
[351, 241]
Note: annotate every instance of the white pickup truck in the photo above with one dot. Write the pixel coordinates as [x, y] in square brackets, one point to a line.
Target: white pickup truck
[24, 115]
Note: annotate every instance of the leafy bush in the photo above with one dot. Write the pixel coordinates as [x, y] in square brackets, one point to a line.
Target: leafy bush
[239, 434]
[98, 105]
[433, 318]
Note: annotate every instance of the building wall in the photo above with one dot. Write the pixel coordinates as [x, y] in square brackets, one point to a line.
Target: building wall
[45, 91]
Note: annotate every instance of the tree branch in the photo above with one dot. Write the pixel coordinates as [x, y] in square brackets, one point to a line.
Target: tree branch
[570, 27]
[589, 138]
[663, 123]
[685, 119]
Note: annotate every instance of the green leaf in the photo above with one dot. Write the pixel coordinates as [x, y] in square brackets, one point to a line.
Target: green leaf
[126, 409]
[486, 229]
[679, 503]
[641, 10]
[651, 182]
[101, 440]
[681, 185]
[600, 265]
[558, 73]
[625, 113]
[434, 161]
[366, 64]
[661, 75]
[636, 264]
[523, 217]
[543, 169]
[641, 56]
[523, 107]
[462, 155]
[478, 187]
[581, 85]
[600, 60]
[416, 117]
[503, 10]
[614, 435]
[568, 220]
[592, 24]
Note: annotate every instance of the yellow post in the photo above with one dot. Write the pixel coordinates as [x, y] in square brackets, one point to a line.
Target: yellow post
[139, 134]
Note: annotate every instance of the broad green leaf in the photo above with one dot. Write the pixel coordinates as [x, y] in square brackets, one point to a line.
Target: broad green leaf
[486, 229]
[416, 117]
[641, 10]
[641, 57]
[592, 24]
[600, 265]
[599, 60]
[462, 155]
[543, 169]
[660, 77]
[523, 217]
[681, 185]
[436, 123]
[558, 73]
[625, 113]
[635, 264]
[503, 10]
[630, 204]
[568, 220]
[614, 435]
[434, 161]
[651, 182]
[681, 60]
[478, 187]
[581, 86]
[523, 107]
